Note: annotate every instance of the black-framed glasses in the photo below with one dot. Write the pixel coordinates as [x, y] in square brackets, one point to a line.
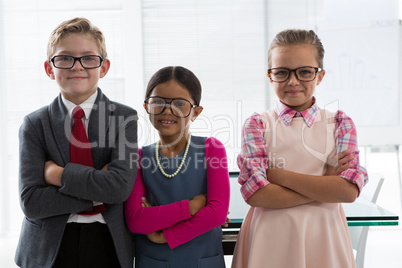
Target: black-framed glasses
[304, 74]
[179, 107]
[67, 62]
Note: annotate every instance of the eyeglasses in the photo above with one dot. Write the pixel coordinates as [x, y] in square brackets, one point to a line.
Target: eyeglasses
[179, 107]
[67, 62]
[304, 74]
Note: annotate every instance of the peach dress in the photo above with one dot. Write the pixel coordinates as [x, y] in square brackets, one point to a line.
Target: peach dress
[305, 236]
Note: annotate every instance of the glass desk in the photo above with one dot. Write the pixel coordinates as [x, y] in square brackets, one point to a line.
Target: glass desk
[365, 213]
[360, 213]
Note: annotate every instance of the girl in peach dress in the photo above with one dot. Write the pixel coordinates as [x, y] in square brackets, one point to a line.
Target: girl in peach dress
[297, 164]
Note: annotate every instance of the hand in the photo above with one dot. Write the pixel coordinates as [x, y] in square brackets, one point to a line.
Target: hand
[338, 163]
[52, 173]
[105, 167]
[197, 203]
[157, 237]
[226, 224]
[145, 203]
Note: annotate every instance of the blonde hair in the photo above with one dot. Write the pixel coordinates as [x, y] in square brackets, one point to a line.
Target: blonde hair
[76, 26]
[293, 37]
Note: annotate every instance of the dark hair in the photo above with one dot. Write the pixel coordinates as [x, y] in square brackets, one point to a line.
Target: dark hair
[298, 37]
[181, 75]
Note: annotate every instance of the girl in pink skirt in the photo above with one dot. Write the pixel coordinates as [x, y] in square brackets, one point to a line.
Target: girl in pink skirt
[297, 164]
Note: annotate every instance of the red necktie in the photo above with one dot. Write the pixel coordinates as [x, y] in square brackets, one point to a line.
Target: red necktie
[80, 150]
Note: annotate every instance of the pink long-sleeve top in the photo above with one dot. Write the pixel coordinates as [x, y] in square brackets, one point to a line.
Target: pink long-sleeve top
[175, 219]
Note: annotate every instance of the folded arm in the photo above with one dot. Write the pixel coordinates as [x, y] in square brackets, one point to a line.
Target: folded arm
[113, 185]
[276, 196]
[38, 199]
[288, 189]
[146, 219]
[328, 189]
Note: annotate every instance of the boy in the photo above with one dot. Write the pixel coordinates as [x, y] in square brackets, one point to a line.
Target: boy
[76, 173]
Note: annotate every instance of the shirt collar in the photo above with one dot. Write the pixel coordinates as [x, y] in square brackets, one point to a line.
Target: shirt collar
[86, 105]
[287, 114]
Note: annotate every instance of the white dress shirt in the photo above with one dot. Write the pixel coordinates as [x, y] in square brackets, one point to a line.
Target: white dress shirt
[87, 107]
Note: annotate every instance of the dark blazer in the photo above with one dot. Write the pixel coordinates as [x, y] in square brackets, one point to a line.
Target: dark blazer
[44, 135]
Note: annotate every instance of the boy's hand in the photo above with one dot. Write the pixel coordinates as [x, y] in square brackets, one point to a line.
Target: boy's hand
[338, 163]
[52, 173]
[197, 203]
[105, 167]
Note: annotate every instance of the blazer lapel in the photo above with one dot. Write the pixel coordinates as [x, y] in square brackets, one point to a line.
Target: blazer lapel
[98, 128]
[61, 128]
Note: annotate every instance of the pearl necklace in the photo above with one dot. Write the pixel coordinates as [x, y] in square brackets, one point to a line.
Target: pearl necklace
[182, 161]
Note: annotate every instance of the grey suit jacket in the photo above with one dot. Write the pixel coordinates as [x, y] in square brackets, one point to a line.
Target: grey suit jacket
[44, 135]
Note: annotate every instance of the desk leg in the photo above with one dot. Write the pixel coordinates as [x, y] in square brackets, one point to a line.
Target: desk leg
[399, 172]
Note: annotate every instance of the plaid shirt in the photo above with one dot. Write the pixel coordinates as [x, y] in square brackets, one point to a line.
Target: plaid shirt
[253, 159]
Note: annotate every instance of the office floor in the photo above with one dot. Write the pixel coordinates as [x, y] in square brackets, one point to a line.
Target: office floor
[384, 244]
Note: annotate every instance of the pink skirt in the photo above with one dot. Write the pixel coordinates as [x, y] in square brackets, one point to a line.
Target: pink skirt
[306, 236]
